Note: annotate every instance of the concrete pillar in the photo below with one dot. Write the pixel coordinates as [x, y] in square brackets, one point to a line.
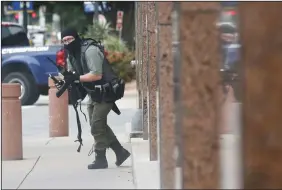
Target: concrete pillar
[260, 35]
[137, 53]
[12, 147]
[198, 105]
[140, 53]
[58, 112]
[144, 59]
[152, 82]
[165, 91]
[137, 120]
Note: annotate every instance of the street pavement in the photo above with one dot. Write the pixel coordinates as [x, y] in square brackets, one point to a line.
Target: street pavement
[36, 117]
[147, 174]
[53, 163]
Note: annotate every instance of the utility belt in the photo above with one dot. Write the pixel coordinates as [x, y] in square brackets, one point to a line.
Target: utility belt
[108, 92]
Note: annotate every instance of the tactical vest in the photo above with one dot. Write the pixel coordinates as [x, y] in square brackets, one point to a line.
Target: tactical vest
[110, 88]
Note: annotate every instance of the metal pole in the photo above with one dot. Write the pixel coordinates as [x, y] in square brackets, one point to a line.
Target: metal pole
[25, 16]
[119, 34]
[96, 11]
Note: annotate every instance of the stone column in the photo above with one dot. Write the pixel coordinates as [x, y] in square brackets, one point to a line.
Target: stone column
[58, 111]
[152, 82]
[260, 34]
[137, 53]
[165, 91]
[198, 108]
[137, 120]
[140, 53]
[144, 60]
[12, 140]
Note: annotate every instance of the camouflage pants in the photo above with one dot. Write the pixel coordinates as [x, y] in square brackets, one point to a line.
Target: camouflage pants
[102, 133]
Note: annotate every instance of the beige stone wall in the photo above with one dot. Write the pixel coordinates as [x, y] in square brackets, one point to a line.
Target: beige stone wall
[199, 104]
[152, 79]
[180, 53]
[144, 60]
[166, 100]
[138, 53]
[261, 75]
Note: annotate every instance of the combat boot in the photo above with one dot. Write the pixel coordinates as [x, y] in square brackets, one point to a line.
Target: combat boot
[121, 153]
[100, 161]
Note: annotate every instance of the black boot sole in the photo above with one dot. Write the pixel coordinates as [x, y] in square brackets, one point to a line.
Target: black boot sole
[123, 157]
[91, 167]
[96, 167]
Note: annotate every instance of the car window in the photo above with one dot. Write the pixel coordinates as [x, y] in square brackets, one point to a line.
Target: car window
[13, 36]
[15, 29]
[4, 32]
[228, 16]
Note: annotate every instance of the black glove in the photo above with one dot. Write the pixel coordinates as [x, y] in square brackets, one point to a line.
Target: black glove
[71, 78]
[59, 84]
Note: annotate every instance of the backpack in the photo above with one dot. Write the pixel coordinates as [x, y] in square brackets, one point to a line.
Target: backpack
[112, 74]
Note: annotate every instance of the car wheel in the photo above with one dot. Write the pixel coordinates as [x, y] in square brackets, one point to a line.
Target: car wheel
[29, 90]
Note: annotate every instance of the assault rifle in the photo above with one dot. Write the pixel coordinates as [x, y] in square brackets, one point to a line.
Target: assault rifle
[76, 94]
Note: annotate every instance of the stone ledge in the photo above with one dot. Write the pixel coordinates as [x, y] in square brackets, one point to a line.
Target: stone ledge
[145, 172]
[134, 128]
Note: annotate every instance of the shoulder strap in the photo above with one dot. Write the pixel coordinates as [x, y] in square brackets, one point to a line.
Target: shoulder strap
[85, 45]
[76, 67]
[79, 139]
[88, 42]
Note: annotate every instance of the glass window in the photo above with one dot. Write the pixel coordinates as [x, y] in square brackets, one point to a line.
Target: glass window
[15, 29]
[228, 16]
[4, 32]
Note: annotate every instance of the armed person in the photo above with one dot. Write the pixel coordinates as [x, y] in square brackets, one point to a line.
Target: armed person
[230, 49]
[87, 59]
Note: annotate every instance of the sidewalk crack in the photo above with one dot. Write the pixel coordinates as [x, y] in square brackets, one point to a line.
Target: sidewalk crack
[49, 141]
[29, 172]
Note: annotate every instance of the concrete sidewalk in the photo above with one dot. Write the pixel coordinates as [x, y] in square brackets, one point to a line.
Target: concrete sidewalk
[55, 164]
[145, 172]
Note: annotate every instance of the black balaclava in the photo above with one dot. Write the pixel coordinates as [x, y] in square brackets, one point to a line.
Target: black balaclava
[74, 46]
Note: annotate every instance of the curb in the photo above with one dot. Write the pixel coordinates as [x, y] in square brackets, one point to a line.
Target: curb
[132, 167]
[145, 172]
[132, 134]
[130, 92]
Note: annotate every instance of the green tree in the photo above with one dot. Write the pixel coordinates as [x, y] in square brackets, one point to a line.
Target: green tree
[128, 19]
[71, 13]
